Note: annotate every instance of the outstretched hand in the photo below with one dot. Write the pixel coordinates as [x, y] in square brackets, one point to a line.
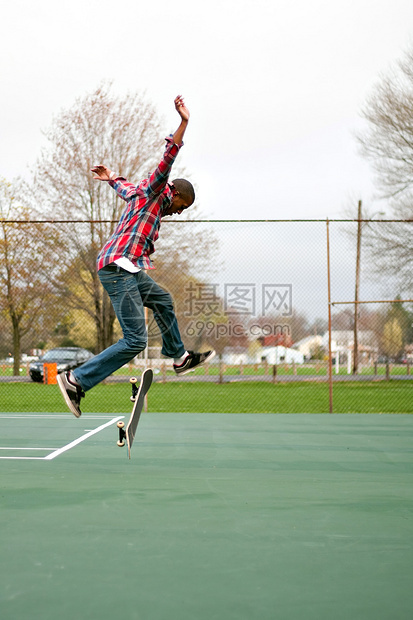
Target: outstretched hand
[101, 173]
[181, 108]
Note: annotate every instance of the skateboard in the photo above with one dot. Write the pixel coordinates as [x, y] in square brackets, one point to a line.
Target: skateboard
[138, 399]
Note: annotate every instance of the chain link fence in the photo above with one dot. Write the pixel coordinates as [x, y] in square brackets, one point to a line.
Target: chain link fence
[283, 303]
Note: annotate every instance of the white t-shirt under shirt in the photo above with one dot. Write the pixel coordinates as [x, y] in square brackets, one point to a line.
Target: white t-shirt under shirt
[126, 264]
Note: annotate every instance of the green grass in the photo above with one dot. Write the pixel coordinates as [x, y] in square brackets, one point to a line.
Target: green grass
[259, 370]
[249, 397]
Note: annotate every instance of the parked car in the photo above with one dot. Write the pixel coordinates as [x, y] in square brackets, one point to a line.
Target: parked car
[66, 358]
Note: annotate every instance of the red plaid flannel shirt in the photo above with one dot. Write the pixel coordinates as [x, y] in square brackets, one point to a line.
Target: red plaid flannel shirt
[138, 228]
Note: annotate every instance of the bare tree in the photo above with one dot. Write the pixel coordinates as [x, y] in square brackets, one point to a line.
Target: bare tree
[389, 246]
[388, 143]
[24, 288]
[388, 140]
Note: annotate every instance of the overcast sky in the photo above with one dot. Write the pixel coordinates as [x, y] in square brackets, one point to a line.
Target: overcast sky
[274, 87]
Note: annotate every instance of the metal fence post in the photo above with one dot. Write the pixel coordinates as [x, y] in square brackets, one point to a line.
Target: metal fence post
[330, 360]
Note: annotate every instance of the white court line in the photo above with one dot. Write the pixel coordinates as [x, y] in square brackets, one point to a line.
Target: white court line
[45, 449]
[8, 414]
[22, 458]
[76, 442]
[59, 451]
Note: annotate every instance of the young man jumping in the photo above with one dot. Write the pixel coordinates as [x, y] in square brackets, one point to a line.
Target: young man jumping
[121, 264]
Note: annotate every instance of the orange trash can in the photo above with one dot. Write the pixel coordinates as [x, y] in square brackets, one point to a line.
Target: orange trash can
[50, 374]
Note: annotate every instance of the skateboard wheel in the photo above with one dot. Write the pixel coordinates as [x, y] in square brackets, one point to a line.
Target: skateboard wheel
[120, 424]
[121, 444]
[133, 380]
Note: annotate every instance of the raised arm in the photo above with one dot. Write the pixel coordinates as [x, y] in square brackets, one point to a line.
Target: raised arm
[159, 177]
[184, 114]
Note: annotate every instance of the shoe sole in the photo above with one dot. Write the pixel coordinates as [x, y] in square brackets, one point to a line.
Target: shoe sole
[185, 372]
[68, 402]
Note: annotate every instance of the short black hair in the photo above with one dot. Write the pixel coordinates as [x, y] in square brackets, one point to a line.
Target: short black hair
[185, 189]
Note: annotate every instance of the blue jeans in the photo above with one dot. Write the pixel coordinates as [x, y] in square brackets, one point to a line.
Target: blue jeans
[129, 294]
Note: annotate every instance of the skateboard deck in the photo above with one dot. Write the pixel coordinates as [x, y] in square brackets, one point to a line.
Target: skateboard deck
[138, 398]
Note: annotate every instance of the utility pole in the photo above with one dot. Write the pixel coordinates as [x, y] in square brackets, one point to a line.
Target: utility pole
[356, 295]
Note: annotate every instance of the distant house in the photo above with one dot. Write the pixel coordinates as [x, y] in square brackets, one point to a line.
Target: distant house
[308, 345]
[271, 355]
[278, 355]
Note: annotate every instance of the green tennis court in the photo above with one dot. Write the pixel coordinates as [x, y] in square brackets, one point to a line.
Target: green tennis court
[217, 516]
